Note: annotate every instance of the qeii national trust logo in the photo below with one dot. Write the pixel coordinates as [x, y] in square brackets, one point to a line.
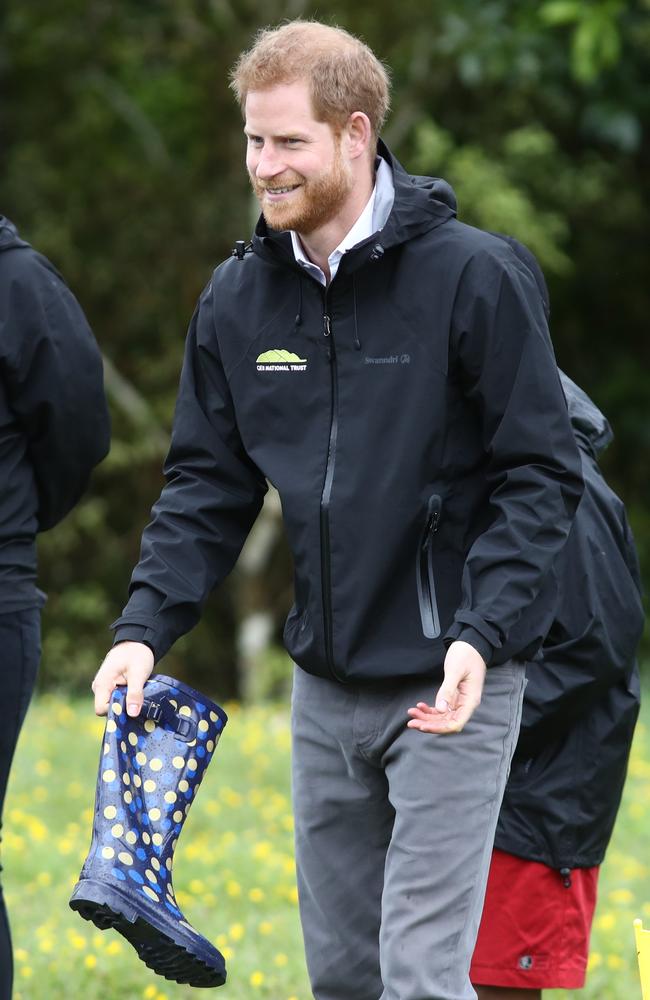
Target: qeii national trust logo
[280, 361]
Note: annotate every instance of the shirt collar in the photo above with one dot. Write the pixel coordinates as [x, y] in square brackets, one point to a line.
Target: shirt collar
[372, 218]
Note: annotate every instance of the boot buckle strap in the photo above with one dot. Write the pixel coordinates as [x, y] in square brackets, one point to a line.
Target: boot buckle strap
[164, 712]
[151, 710]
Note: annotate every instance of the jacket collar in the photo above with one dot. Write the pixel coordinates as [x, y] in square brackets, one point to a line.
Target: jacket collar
[420, 205]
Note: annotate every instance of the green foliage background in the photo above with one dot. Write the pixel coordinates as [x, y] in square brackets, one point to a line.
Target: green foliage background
[122, 159]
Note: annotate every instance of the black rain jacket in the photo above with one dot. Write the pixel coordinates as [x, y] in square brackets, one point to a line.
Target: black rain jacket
[412, 419]
[54, 423]
[581, 703]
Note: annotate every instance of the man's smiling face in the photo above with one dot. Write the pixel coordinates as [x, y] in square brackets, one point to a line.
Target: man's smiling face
[296, 163]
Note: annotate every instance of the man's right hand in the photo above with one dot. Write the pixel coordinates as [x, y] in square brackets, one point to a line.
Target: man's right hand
[127, 663]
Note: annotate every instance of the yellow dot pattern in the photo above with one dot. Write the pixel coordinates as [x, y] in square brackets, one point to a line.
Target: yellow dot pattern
[134, 753]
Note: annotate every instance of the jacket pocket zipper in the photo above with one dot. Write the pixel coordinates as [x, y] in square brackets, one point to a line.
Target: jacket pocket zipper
[425, 580]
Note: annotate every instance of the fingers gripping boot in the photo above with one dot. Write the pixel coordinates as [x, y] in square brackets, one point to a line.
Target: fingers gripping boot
[149, 771]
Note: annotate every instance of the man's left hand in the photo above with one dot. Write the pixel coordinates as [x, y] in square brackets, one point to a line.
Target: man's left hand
[459, 694]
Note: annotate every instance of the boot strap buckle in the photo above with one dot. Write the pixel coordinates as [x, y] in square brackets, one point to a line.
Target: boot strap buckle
[152, 710]
[164, 712]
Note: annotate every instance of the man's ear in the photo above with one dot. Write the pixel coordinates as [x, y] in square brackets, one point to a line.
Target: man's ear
[357, 134]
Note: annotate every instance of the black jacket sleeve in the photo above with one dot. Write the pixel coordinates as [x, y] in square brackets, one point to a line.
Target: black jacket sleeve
[52, 370]
[502, 350]
[592, 644]
[211, 498]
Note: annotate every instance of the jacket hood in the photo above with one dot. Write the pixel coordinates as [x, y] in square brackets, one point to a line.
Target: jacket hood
[589, 424]
[420, 204]
[9, 237]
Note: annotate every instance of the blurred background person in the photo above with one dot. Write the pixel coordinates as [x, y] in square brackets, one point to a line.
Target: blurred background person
[568, 772]
[54, 428]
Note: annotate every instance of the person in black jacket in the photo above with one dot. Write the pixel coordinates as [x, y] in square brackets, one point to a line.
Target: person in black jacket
[54, 427]
[569, 767]
[390, 371]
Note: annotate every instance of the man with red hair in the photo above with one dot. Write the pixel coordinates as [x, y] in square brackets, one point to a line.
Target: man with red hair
[389, 370]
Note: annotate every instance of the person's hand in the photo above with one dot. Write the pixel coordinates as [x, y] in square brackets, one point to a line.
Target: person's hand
[127, 663]
[458, 696]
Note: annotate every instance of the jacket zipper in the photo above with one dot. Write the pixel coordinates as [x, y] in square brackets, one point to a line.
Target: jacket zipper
[326, 495]
[426, 583]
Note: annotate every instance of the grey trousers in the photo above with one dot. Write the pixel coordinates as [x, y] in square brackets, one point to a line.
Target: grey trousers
[394, 832]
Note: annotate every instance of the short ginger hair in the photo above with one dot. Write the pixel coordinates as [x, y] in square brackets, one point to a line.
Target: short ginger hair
[344, 74]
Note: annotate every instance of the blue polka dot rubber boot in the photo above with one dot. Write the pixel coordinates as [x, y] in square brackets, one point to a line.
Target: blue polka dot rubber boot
[149, 772]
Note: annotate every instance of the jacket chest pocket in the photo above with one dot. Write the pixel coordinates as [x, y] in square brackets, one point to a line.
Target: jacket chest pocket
[425, 571]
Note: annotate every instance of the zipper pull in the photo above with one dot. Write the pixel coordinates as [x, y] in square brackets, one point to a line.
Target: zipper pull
[327, 325]
[431, 526]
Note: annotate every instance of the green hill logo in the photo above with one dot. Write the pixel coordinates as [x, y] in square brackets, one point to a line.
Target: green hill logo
[280, 361]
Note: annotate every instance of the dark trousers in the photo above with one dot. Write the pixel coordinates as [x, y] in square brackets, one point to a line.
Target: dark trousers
[20, 650]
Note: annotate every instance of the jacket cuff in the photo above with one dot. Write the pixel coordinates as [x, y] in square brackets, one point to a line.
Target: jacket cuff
[135, 633]
[465, 633]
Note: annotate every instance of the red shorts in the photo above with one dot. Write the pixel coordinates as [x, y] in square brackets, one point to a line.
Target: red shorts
[534, 932]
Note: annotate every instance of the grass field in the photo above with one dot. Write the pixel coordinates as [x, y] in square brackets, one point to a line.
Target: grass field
[234, 872]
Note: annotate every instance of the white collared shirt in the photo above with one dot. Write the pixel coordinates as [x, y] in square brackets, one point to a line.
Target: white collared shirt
[372, 219]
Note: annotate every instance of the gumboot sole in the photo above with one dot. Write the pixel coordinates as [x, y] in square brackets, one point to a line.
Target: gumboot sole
[158, 950]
